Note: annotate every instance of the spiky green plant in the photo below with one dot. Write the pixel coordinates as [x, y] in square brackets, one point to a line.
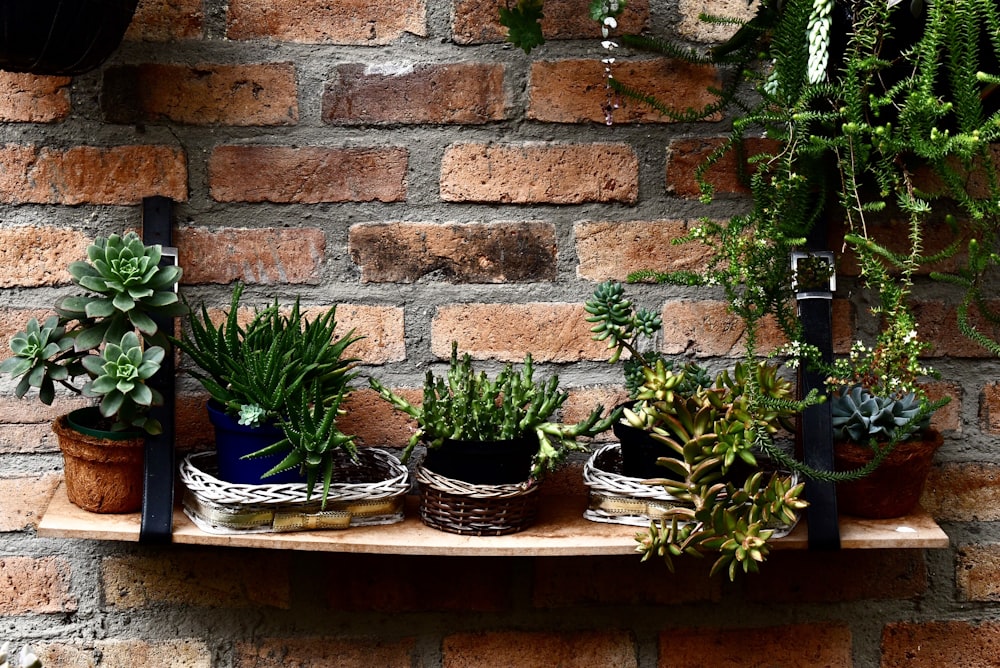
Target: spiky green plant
[99, 334]
[254, 371]
[312, 439]
[471, 406]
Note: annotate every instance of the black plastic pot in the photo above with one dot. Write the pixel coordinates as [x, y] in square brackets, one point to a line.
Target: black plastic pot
[640, 452]
[61, 37]
[484, 462]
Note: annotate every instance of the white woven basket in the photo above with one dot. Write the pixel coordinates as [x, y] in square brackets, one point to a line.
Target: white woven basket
[618, 499]
[368, 492]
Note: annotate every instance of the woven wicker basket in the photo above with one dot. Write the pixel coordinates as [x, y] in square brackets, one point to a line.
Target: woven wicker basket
[618, 499]
[464, 508]
[368, 492]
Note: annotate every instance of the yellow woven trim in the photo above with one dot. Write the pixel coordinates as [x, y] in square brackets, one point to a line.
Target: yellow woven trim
[625, 505]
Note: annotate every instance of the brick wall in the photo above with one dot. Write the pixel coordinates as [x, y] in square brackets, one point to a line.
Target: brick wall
[396, 159]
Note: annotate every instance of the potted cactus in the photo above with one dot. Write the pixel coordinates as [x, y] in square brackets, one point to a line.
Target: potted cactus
[264, 381]
[489, 442]
[105, 345]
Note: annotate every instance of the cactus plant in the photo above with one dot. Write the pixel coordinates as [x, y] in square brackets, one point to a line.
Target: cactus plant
[466, 405]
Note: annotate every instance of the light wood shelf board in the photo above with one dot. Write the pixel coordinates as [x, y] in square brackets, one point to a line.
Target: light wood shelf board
[561, 530]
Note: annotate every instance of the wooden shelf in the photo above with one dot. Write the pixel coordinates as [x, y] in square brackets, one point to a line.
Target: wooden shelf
[561, 530]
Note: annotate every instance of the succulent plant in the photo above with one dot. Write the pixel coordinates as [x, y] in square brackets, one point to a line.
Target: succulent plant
[312, 437]
[465, 405]
[108, 336]
[119, 375]
[861, 417]
[707, 432]
[255, 371]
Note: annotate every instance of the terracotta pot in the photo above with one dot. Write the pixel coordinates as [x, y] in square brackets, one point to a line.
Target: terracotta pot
[103, 470]
[894, 488]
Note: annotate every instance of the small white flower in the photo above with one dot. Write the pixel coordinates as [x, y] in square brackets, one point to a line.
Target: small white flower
[610, 22]
[608, 44]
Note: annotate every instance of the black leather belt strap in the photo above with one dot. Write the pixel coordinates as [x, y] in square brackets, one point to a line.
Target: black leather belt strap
[815, 315]
[158, 490]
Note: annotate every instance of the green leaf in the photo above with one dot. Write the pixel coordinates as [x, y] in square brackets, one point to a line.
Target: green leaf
[523, 23]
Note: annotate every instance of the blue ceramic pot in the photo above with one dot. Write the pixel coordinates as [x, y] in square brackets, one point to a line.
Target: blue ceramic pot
[233, 440]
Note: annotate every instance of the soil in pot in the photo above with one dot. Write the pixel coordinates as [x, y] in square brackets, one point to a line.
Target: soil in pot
[894, 488]
[234, 440]
[103, 470]
[640, 451]
[484, 462]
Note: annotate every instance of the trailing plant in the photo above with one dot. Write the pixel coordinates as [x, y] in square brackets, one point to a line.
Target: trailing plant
[980, 260]
[711, 433]
[470, 406]
[254, 372]
[108, 335]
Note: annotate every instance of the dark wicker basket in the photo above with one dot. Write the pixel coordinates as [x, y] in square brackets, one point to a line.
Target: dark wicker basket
[463, 508]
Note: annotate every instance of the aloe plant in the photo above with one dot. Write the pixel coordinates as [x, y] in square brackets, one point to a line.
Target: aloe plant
[466, 405]
[107, 336]
[312, 438]
[255, 371]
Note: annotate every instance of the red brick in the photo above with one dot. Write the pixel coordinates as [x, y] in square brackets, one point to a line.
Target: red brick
[458, 253]
[267, 256]
[378, 584]
[894, 235]
[90, 174]
[685, 155]
[14, 411]
[570, 649]
[182, 653]
[34, 257]
[364, 22]
[382, 328]
[338, 652]
[374, 421]
[989, 408]
[551, 332]
[166, 21]
[468, 93]
[562, 582]
[793, 645]
[614, 249]
[963, 492]
[937, 644]
[309, 175]
[28, 438]
[583, 400]
[35, 585]
[938, 325]
[537, 173]
[575, 91]
[206, 94]
[977, 572]
[29, 98]
[790, 576]
[708, 329]
[24, 500]
[478, 21]
[242, 579]
[949, 417]
[193, 431]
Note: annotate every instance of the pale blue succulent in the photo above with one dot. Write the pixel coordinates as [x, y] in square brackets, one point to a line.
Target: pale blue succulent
[860, 417]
